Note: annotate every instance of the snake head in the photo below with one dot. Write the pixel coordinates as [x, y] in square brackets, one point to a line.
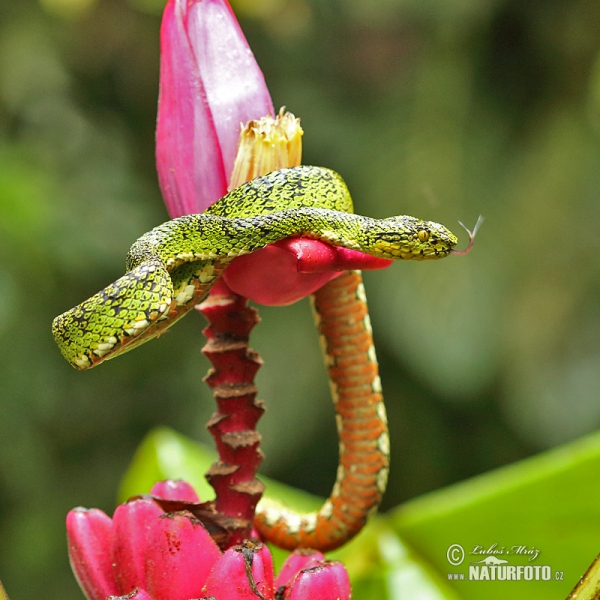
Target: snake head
[409, 238]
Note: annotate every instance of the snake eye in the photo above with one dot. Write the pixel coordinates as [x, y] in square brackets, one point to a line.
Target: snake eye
[423, 235]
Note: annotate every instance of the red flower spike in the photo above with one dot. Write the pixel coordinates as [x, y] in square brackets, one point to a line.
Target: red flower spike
[175, 490]
[243, 573]
[233, 425]
[209, 84]
[317, 582]
[131, 523]
[89, 535]
[179, 556]
[295, 562]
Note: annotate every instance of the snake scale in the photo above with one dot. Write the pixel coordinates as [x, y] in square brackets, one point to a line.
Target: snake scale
[172, 268]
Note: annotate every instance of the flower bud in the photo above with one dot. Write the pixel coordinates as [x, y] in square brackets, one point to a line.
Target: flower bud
[174, 490]
[131, 523]
[179, 556]
[136, 594]
[89, 534]
[341, 576]
[322, 582]
[241, 572]
[295, 562]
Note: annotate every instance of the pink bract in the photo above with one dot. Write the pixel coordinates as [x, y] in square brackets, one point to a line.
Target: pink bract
[89, 534]
[210, 84]
[289, 270]
[229, 579]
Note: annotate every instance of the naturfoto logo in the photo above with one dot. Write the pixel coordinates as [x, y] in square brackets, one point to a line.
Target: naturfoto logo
[494, 568]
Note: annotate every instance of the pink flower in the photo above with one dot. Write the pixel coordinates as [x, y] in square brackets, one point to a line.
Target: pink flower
[147, 554]
[210, 84]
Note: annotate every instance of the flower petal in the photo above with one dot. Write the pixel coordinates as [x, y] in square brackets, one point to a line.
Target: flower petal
[315, 256]
[131, 523]
[270, 277]
[239, 570]
[89, 534]
[179, 556]
[234, 84]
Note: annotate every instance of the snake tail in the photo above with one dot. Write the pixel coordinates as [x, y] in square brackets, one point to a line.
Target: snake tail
[346, 339]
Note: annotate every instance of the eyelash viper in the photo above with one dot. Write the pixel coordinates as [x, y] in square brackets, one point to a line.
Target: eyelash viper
[172, 268]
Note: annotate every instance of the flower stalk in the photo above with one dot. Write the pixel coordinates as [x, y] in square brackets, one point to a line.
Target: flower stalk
[233, 426]
[265, 145]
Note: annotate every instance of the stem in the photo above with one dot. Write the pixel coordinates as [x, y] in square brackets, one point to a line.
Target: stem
[233, 426]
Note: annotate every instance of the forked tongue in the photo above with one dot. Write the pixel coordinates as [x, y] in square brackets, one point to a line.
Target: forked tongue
[472, 235]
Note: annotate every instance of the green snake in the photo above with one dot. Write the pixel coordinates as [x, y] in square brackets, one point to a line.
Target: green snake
[172, 268]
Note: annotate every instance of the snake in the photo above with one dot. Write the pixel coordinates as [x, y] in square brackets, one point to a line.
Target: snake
[172, 268]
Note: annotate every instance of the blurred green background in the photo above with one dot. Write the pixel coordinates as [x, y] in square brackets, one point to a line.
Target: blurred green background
[444, 109]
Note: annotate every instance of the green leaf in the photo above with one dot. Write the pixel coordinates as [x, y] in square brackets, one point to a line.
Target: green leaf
[381, 565]
[548, 503]
[164, 454]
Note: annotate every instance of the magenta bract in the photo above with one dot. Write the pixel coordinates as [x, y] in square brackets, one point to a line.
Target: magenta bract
[89, 534]
[291, 269]
[174, 490]
[210, 84]
[239, 571]
[180, 554]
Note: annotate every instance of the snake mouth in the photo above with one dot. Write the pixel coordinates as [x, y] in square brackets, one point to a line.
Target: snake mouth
[472, 235]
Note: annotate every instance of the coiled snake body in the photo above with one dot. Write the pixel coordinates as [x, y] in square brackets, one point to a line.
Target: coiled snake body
[172, 268]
